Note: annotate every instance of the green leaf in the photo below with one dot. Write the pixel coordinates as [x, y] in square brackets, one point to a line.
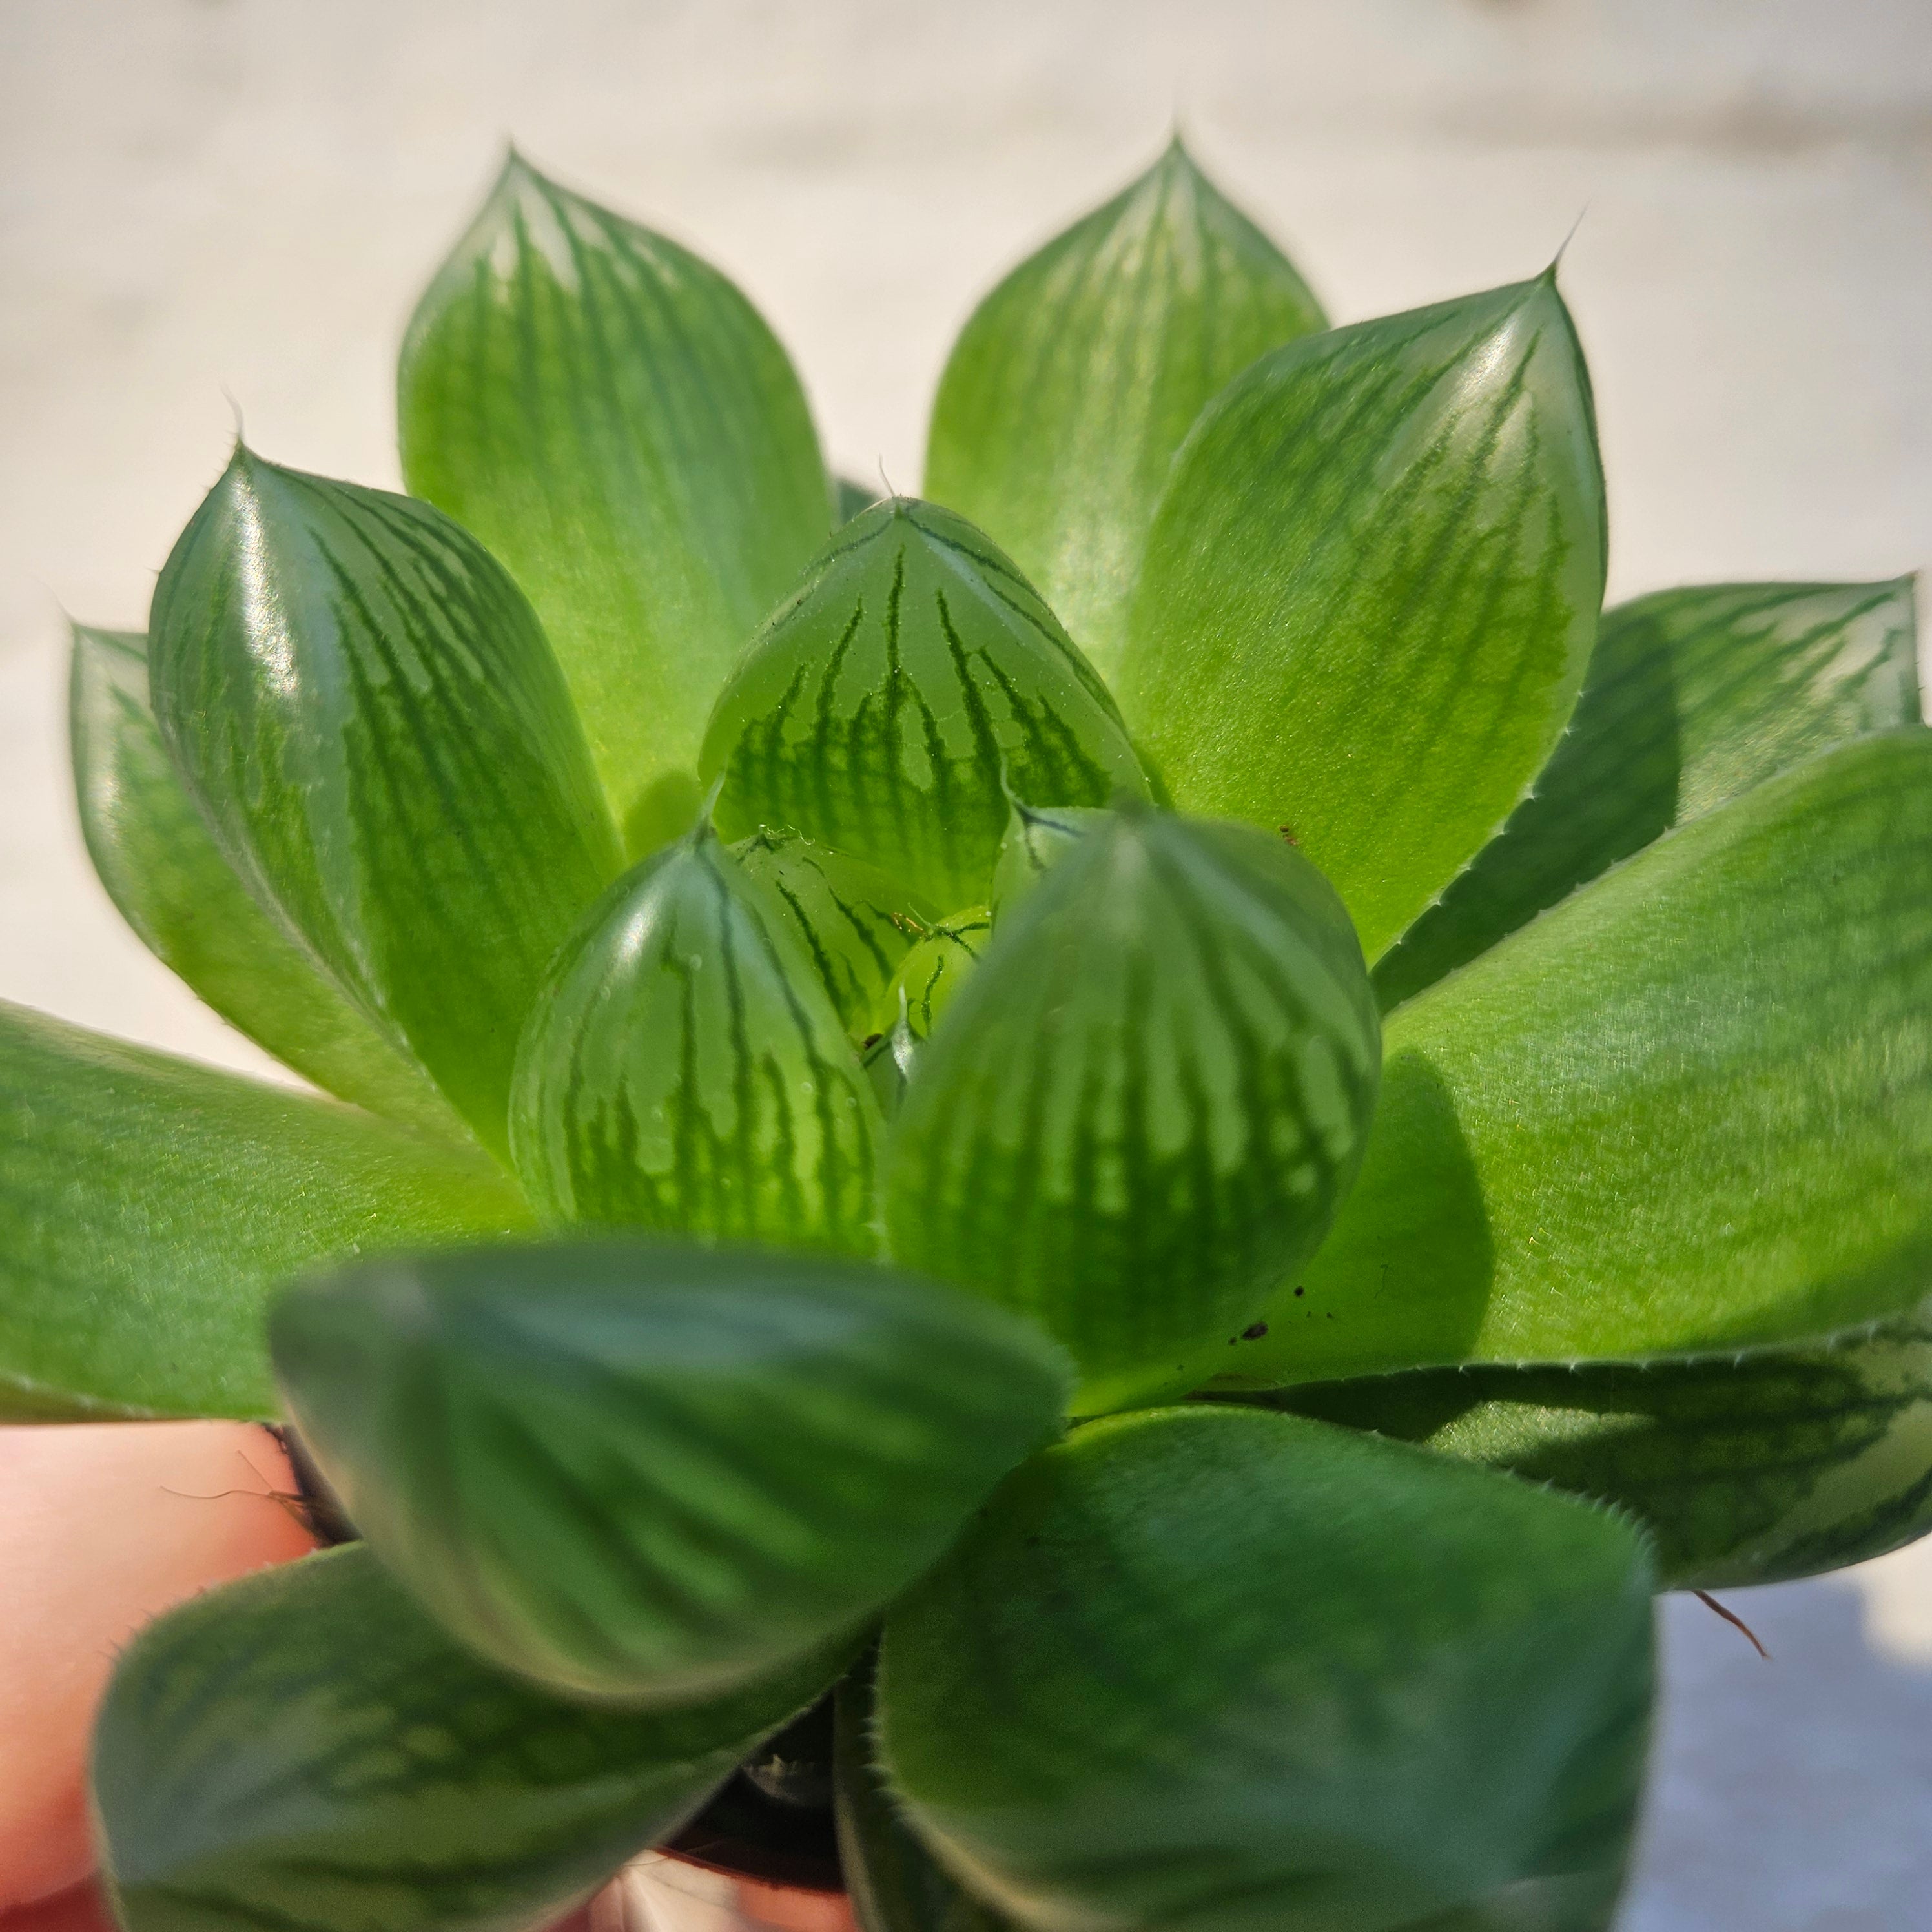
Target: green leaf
[1073, 384]
[1233, 1671]
[149, 1207]
[856, 924]
[1371, 590]
[1152, 1092]
[1035, 839]
[850, 498]
[895, 1884]
[161, 867]
[931, 973]
[647, 1472]
[615, 421]
[305, 1748]
[365, 710]
[1757, 1466]
[1693, 697]
[685, 1071]
[1690, 1108]
[890, 701]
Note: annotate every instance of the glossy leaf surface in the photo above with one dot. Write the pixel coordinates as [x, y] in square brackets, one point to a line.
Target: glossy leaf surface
[615, 421]
[856, 924]
[305, 1748]
[1757, 1467]
[1371, 590]
[366, 709]
[1693, 697]
[1073, 384]
[1237, 1671]
[161, 867]
[1150, 1096]
[648, 1471]
[1690, 1108]
[931, 973]
[149, 1207]
[686, 1071]
[888, 704]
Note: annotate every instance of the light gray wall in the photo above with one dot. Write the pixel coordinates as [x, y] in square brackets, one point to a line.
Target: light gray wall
[245, 195]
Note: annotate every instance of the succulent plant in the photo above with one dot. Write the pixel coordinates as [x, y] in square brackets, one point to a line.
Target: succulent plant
[1103, 1170]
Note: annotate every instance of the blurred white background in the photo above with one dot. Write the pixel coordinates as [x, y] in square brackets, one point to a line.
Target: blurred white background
[203, 195]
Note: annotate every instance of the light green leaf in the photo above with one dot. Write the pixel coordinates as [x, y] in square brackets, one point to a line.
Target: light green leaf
[365, 710]
[1036, 839]
[149, 1207]
[1690, 1108]
[931, 973]
[685, 1071]
[1243, 1673]
[648, 1472]
[305, 1748]
[1073, 384]
[162, 868]
[1693, 697]
[1153, 1092]
[1754, 1466]
[615, 421]
[888, 704]
[1371, 590]
[856, 924]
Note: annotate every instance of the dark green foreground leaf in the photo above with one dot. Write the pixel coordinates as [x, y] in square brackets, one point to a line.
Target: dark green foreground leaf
[615, 421]
[149, 1208]
[1150, 1095]
[1371, 590]
[648, 1472]
[163, 870]
[1071, 387]
[363, 704]
[1693, 697]
[1243, 1673]
[1751, 1467]
[304, 1749]
[1689, 1109]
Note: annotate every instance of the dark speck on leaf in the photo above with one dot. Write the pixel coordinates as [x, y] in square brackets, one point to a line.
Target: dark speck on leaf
[1288, 832]
[1301, 1291]
[1254, 1331]
[871, 1040]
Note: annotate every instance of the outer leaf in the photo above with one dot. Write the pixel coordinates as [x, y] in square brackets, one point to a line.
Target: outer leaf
[1689, 1109]
[1072, 386]
[887, 706]
[615, 421]
[1236, 1671]
[856, 924]
[931, 973]
[163, 870]
[1755, 1467]
[685, 1071]
[367, 712]
[649, 1471]
[305, 1748]
[1154, 1090]
[147, 1207]
[1371, 590]
[1693, 697]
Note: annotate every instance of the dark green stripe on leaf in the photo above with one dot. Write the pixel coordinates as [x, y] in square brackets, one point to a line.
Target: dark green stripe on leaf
[887, 706]
[932, 972]
[687, 1072]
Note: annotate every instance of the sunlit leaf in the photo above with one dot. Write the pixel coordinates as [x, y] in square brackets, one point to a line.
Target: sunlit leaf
[1748, 1467]
[649, 1471]
[1076, 379]
[149, 1208]
[856, 924]
[615, 421]
[163, 870]
[685, 1070]
[1689, 1109]
[888, 705]
[1693, 697]
[1036, 838]
[1216, 1668]
[1153, 1090]
[931, 973]
[366, 710]
[1371, 590]
[305, 1748]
